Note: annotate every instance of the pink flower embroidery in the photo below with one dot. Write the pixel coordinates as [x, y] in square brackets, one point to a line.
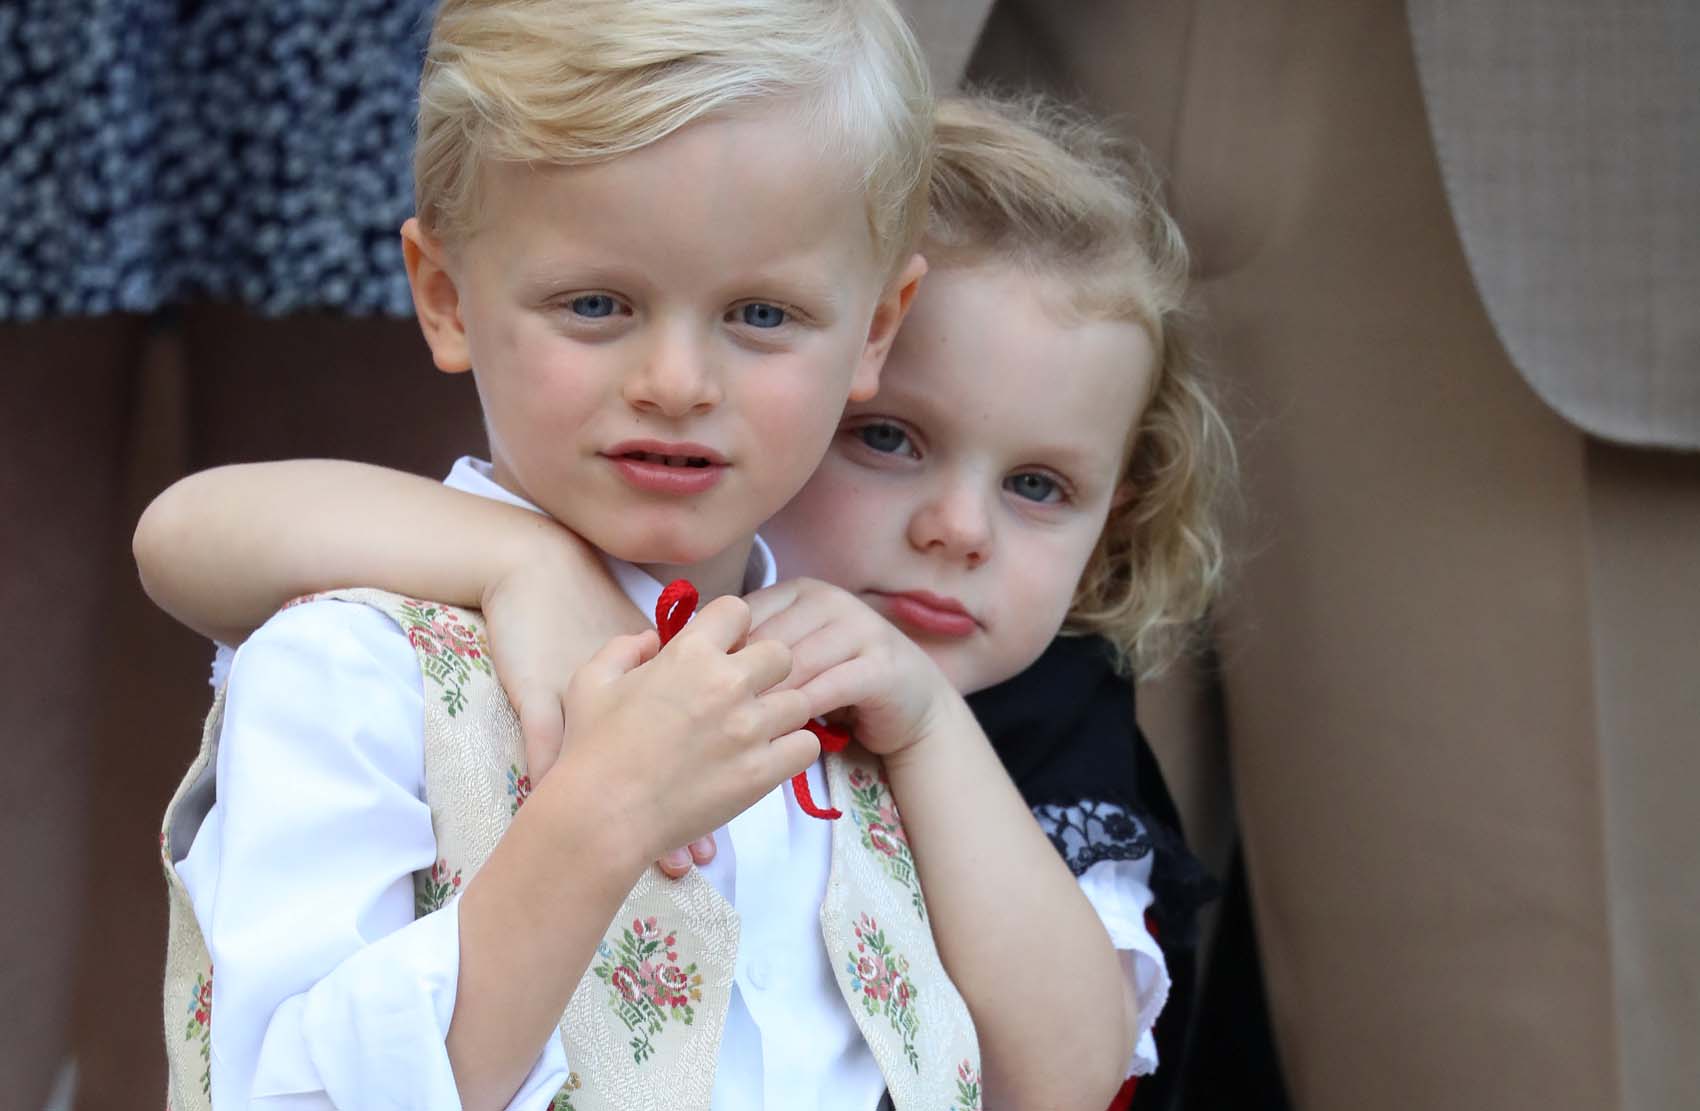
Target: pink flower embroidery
[967, 1087]
[882, 840]
[625, 981]
[449, 649]
[434, 889]
[875, 814]
[648, 986]
[881, 976]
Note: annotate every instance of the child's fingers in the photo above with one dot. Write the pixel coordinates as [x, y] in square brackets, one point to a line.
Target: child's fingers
[822, 649]
[802, 612]
[770, 600]
[783, 711]
[723, 623]
[849, 683]
[789, 754]
[677, 862]
[620, 655]
[764, 663]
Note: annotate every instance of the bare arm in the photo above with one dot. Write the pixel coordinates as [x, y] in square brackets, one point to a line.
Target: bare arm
[1053, 1033]
[1057, 1032]
[221, 550]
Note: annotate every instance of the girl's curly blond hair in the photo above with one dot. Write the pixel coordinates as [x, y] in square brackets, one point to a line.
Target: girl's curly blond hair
[1025, 181]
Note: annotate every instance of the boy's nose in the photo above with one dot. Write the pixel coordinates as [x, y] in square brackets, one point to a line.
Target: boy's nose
[955, 524]
[675, 380]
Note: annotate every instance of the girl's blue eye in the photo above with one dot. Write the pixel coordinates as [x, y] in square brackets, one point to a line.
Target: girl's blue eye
[594, 306]
[887, 439]
[760, 314]
[1033, 487]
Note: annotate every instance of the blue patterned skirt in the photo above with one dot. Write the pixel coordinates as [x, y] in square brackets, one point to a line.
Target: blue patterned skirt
[249, 151]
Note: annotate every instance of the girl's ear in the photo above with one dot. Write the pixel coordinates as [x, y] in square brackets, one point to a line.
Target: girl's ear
[436, 298]
[888, 315]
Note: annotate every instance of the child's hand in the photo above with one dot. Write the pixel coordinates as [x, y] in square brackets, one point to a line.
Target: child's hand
[546, 617]
[844, 655]
[684, 739]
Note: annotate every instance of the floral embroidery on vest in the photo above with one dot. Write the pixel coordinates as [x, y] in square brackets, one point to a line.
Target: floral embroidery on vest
[449, 649]
[967, 1087]
[519, 789]
[882, 976]
[200, 1023]
[435, 889]
[563, 1100]
[644, 992]
[875, 814]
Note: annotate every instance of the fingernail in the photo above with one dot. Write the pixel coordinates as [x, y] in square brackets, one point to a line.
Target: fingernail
[702, 851]
[677, 859]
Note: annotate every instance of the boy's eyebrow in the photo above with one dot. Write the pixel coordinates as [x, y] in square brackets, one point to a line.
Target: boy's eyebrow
[552, 276]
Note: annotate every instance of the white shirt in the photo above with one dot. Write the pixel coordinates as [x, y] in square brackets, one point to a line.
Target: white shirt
[329, 993]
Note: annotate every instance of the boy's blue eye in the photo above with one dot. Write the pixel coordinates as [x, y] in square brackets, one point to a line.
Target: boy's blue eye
[1033, 487]
[760, 314]
[594, 306]
[887, 439]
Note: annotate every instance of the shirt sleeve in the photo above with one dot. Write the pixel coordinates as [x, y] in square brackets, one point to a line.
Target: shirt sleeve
[1120, 891]
[328, 992]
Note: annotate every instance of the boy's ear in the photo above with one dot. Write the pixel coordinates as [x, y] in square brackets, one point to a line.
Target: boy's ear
[888, 315]
[436, 298]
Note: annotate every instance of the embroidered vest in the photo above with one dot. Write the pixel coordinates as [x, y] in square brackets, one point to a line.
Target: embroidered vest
[642, 1030]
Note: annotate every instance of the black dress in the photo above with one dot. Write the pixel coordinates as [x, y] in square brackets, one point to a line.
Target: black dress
[1065, 730]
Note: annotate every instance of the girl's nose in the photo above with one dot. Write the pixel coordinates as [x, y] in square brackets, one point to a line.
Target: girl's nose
[676, 378]
[954, 523]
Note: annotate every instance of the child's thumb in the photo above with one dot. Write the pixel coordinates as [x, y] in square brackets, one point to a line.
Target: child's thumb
[620, 655]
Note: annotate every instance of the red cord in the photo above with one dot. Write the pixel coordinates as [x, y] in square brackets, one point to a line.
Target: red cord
[677, 602]
[831, 740]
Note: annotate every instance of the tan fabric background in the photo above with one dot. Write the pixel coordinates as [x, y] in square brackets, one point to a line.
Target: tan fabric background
[1458, 662]
[1569, 140]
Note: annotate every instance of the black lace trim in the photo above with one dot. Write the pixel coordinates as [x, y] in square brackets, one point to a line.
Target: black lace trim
[1092, 832]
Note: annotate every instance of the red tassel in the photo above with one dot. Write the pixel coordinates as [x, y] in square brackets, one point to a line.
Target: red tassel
[675, 606]
[677, 602]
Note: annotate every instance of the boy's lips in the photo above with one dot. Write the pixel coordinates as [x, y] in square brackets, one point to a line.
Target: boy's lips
[930, 614]
[662, 467]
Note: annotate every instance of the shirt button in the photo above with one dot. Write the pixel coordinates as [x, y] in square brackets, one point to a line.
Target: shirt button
[758, 973]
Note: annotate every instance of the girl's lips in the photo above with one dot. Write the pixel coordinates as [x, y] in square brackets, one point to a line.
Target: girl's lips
[928, 614]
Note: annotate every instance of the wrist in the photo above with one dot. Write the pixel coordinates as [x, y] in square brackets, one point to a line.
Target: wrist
[581, 819]
[937, 728]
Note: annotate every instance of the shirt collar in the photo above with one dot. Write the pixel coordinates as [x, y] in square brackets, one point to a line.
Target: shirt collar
[473, 476]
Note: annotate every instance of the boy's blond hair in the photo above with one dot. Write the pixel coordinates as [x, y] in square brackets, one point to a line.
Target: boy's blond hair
[567, 82]
[1026, 182]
